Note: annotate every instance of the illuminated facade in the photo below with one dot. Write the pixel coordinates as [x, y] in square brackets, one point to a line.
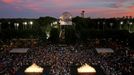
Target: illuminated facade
[65, 21]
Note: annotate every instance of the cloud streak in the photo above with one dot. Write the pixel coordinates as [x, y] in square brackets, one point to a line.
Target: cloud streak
[8, 1]
[94, 8]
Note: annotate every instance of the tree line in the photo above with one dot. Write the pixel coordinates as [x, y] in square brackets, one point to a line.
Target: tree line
[82, 29]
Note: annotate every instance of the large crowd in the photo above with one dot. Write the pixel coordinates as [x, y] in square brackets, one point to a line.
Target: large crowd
[61, 56]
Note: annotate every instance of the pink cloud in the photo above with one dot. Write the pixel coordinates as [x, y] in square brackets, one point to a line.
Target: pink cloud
[131, 11]
[131, 7]
[8, 1]
[14, 2]
[35, 7]
[104, 12]
[66, 3]
[113, 8]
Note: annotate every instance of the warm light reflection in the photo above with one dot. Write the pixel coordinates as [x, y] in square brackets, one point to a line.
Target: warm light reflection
[48, 35]
[86, 69]
[55, 23]
[34, 68]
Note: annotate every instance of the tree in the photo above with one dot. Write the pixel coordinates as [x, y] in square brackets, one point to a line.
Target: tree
[54, 35]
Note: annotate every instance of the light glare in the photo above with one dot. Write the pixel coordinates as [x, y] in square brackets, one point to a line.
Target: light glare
[86, 69]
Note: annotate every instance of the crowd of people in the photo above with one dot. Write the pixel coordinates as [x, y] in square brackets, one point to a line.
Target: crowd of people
[60, 57]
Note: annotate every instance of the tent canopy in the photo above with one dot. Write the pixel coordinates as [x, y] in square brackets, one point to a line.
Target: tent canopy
[104, 50]
[86, 69]
[19, 50]
[34, 68]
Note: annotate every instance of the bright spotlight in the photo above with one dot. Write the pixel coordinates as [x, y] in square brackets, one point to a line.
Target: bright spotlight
[24, 23]
[121, 22]
[17, 24]
[31, 22]
[130, 23]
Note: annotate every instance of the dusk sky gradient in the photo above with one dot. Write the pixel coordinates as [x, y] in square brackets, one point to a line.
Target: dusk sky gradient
[92, 8]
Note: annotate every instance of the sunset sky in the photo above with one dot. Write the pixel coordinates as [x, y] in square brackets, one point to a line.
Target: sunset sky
[92, 8]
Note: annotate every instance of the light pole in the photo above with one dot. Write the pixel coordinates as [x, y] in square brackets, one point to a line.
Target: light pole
[130, 24]
[0, 26]
[9, 25]
[121, 23]
[25, 25]
[111, 25]
[16, 25]
[98, 25]
[9, 22]
[31, 24]
[103, 25]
